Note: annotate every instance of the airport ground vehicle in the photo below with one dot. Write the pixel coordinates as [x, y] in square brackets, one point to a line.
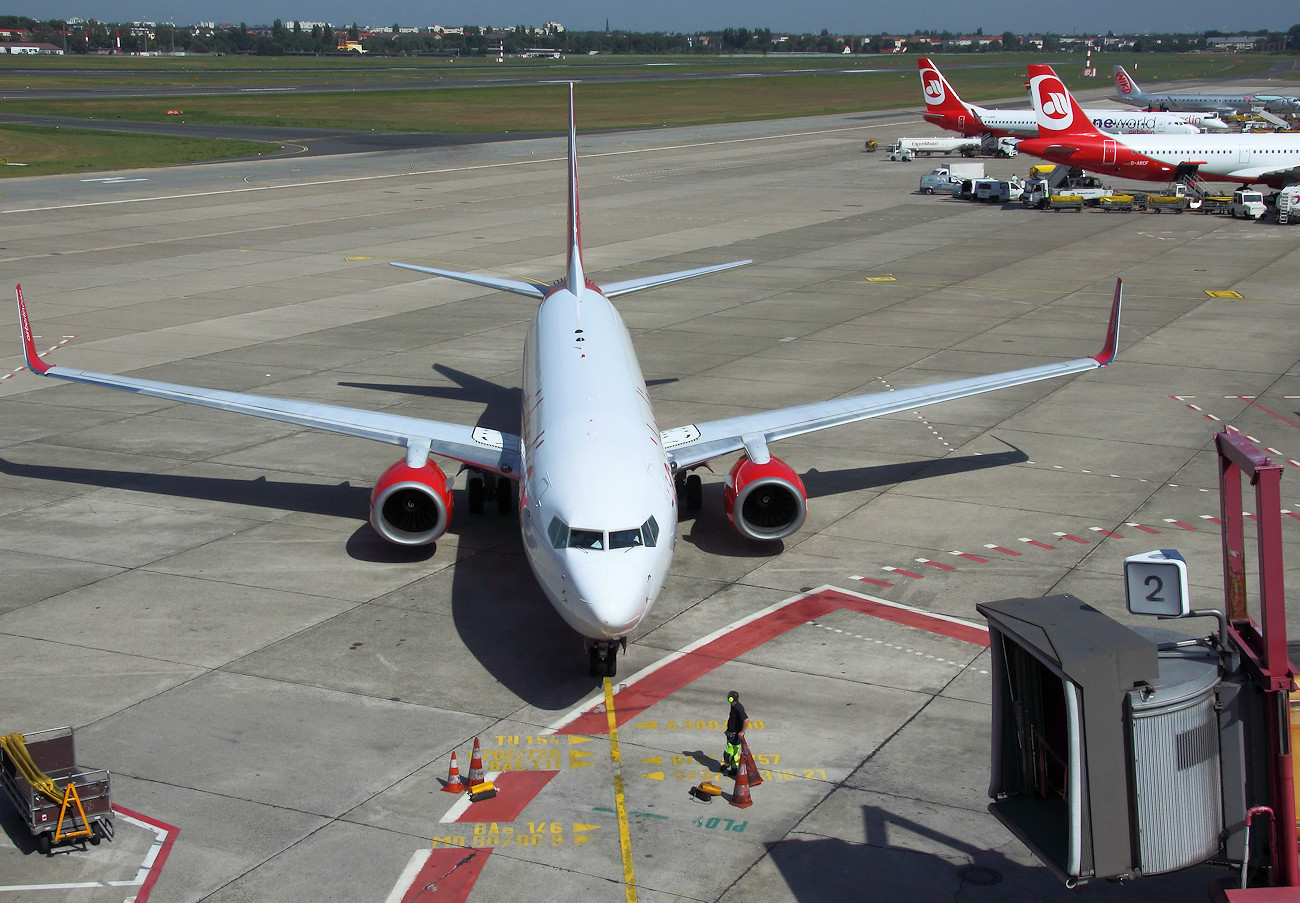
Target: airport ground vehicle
[1167, 203]
[1248, 204]
[1118, 203]
[945, 178]
[911, 148]
[999, 191]
[1287, 206]
[1059, 202]
[56, 798]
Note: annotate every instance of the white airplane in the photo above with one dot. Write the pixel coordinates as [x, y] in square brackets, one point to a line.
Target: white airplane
[599, 481]
[945, 108]
[1127, 91]
[1067, 137]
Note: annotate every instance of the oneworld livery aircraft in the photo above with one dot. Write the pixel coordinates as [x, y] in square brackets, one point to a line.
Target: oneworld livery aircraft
[1065, 135]
[944, 108]
[599, 481]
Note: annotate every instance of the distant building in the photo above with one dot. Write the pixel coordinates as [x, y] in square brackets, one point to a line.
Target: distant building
[1236, 44]
[31, 49]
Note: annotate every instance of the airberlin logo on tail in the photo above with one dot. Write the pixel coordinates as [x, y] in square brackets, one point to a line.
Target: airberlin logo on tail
[932, 87]
[1123, 84]
[1053, 103]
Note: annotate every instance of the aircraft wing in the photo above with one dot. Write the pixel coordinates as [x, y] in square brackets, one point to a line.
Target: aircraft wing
[1266, 173]
[482, 448]
[697, 443]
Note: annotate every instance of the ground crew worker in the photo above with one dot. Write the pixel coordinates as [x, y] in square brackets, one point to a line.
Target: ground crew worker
[736, 724]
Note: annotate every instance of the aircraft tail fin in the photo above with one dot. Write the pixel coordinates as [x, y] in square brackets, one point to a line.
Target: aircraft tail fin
[1058, 113]
[943, 106]
[575, 279]
[1126, 88]
[30, 355]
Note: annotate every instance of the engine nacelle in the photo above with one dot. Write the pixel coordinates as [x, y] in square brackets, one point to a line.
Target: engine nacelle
[411, 506]
[764, 501]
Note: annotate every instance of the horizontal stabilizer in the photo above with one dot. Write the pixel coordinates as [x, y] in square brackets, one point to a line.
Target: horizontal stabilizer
[627, 287]
[517, 286]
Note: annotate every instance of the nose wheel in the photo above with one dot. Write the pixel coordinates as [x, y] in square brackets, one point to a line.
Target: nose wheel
[602, 657]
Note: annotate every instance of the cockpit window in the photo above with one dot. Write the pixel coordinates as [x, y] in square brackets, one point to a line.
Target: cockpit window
[558, 531]
[625, 539]
[650, 532]
[586, 539]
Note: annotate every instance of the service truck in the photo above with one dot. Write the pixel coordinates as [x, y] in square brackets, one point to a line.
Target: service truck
[948, 176]
[1288, 204]
[911, 148]
[1038, 192]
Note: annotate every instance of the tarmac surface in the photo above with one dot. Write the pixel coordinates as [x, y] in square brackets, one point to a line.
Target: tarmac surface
[278, 694]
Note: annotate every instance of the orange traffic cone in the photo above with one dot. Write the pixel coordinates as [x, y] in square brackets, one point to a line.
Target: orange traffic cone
[476, 765]
[454, 784]
[740, 793]
[755, 776]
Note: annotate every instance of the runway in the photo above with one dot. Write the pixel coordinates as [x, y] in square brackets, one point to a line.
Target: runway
[277, 693]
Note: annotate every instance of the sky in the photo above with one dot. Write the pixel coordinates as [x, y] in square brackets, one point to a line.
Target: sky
[838, 16]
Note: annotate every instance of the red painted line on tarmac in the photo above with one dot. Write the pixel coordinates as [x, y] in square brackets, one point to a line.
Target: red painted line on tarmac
[970, 557]
[1071, 538]
[155, 867]
[515, 790]
[1291, 514]
[901, 572]
[1251, 401]
[873, 581]
[448, 874]
[1105, 532]
[936, 564]
[1178, 523]
[1211, 518]
[1034, 542]
[1003, 550]
[689, 667]
[1143, 529]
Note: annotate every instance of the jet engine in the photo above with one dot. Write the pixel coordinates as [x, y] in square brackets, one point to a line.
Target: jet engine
[411, 506]
[764, 501]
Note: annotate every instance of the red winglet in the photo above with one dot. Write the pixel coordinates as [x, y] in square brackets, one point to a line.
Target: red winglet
[1111, 348]
[33, 360]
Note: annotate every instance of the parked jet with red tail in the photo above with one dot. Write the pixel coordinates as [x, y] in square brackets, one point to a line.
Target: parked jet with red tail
[599, 481]
[944, 108]
[1065, 135]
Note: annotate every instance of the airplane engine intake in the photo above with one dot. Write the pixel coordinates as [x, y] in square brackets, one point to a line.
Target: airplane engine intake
[411, 506]
[764, 501]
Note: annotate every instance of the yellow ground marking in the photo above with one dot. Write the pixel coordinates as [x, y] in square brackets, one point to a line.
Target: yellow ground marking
[1223, 294]
[620, 801]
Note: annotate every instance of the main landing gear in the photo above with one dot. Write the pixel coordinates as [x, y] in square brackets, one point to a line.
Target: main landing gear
[691, 490]
[488, 487]
[603, 656]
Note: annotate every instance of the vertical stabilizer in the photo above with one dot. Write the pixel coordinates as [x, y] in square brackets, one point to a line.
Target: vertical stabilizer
[1126, 89]
[1056, 110]
[574, 278]
[942, 105]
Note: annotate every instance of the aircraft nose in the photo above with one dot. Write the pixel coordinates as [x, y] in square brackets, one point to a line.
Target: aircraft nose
[614, 598]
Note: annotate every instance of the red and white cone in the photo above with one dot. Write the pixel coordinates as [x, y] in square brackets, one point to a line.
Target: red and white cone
[755, 776]
[476, 765]
[454, 784]
[740, 793]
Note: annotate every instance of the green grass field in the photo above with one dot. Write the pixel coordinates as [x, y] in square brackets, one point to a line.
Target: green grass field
[797, 86]
[28, 151]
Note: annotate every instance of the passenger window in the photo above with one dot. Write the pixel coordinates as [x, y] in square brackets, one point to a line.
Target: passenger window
[558, 531]
[625, 539]
[586, 539]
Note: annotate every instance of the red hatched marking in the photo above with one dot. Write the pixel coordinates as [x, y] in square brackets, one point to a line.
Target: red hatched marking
[873, 581]
[446, 875]
[515, 790]
[970, 557]
[1005, 551]
[1178, 523]
[901, 572]
[1071, 538]
[1105, 532]
[1211, 518]
[936, 564]
[1291, 514]
[1142, 528]
[1035, 542]
[688, 667]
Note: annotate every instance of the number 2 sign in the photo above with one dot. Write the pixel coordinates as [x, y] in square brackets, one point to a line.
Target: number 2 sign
[1156, 584]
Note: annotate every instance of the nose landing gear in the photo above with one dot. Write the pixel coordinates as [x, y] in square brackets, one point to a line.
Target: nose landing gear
[603, 656]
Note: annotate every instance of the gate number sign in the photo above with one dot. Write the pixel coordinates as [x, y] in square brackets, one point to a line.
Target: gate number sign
[1156, 584]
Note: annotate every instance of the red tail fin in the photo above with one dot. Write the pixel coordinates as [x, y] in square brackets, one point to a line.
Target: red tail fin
[942, 105]
[1056, 110]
